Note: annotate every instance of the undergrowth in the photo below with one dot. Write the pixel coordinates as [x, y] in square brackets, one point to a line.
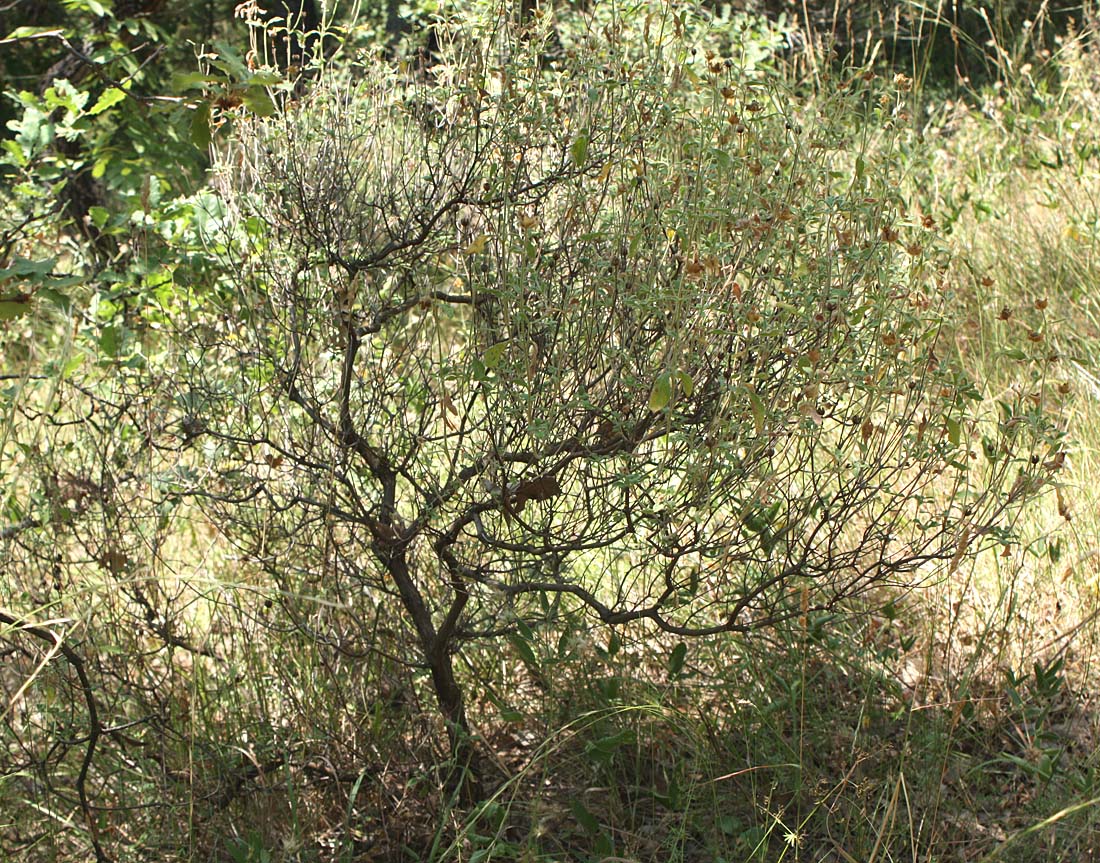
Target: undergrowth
[954, 719]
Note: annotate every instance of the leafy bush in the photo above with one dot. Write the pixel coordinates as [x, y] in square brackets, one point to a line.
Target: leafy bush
[631, 332]
[592, 327]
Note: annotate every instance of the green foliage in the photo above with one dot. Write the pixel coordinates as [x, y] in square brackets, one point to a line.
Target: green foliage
[96, 161]
[582, 376]
[634, 332]
[521, 286]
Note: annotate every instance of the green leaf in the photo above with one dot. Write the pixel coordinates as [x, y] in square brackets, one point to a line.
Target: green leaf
[71, 365]
[687, 385]
[228, 59]
[604, 748]
[12, 148]
[953, 431]
[266, 79]
[565, 643]
[585, 818]
[32, 33]
[200, 126]
[109, 341]
[579, 151]
[757, 519]
[111, 97]
[523, 648]
[494, 355]
[191, 80]
[510, 714]
[661, 394]
[257, 100]
[693, 584]
[63, 302]
[99, 216]
[758, 413]
[672, 799]
[10, 309]
[676, 659]
[100, 166]
[26, 267]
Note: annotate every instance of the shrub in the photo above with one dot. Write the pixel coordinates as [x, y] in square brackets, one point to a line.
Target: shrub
[631, 332]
